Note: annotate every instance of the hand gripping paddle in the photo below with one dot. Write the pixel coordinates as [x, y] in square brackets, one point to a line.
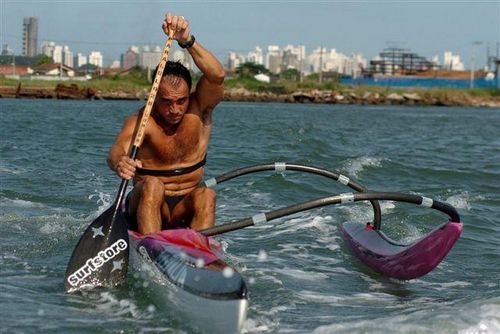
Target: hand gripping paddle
[100, 259]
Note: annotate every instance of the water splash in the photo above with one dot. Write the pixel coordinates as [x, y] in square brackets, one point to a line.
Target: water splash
[463, 200]
[355, 166]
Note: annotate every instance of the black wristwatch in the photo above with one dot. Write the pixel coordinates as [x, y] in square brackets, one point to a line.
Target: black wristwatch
[188, 44]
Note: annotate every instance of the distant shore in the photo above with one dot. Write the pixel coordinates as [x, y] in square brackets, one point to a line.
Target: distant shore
[360, 95]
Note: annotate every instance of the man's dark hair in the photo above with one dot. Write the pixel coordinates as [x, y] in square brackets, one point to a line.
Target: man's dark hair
[176, 69]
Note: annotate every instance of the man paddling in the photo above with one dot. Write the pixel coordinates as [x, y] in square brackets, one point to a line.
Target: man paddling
[169, 164]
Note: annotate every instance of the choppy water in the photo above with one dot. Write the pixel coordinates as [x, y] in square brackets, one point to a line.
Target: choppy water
[301, 276]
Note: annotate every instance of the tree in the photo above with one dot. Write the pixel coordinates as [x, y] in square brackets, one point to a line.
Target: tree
[44, 59]
[251, 69]
[290, 74]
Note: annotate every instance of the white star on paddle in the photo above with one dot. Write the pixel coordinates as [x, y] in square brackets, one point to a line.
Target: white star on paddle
[97, 231]
[117, 265]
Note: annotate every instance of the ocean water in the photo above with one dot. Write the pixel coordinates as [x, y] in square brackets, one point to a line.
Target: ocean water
[301, 276]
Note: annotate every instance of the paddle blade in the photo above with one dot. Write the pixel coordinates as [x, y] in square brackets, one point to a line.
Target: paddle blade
[100, 258]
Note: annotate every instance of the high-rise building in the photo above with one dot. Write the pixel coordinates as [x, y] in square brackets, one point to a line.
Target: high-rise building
[130, 58]
[7, 50]
[79, 60]
[183, 57]
[273, 60]
[452, 62]
[57, 55]
[149, 57]
[30, 36]
[48, 48]
[256, 56]
[234, 61]
[67, 56]
[293, 57]
[95, 58]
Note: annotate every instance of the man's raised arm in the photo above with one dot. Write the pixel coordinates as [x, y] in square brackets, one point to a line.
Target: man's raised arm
[210, 88]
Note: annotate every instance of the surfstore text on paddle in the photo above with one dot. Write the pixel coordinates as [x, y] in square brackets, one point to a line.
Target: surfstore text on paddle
[98, 261]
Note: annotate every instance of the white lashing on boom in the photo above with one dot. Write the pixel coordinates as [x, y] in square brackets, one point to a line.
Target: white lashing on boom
[280, 166]
[427, 202]
[343, 179]
[211, 182]
[346, 198]
[259, 218]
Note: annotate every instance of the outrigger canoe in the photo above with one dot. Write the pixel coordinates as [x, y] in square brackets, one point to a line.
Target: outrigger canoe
[187, 270]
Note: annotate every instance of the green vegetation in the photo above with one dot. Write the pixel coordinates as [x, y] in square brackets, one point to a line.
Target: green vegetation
[45, 60]
[290, 81]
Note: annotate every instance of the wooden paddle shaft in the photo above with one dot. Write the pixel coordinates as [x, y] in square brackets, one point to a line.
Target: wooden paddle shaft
[152, 94]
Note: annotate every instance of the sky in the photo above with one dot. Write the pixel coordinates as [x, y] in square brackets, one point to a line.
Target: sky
[360, 26]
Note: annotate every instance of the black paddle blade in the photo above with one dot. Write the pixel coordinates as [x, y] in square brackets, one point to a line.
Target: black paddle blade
[100, 258]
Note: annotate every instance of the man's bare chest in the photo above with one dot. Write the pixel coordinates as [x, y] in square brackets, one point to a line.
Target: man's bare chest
[167, 146]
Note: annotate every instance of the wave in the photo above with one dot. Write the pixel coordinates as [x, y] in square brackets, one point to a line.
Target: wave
[355, 166]
[19, 203]
[463, 200]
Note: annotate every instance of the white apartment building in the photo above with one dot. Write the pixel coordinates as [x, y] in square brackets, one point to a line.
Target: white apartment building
[150, 57]
[333, 61]
[96, 58]
[452, 62]
[57, 54]
[48, 48]
[294, 57]
[316, 60]
[274, 59]
[67, 56]
[256, 56]
[183, 57]
[115, 64]
[234, 60]
[79, 60]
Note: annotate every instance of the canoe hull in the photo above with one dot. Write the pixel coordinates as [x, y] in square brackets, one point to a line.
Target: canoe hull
[185, 274]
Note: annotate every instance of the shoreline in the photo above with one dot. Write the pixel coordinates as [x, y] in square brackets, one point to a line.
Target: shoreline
[358, 96]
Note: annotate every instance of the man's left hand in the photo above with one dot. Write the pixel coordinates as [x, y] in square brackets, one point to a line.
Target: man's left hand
[179, 25]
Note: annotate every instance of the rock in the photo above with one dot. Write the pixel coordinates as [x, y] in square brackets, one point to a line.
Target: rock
[393, 97]
[339, 97]
[302, 97]
[412, 97]
[73, 92]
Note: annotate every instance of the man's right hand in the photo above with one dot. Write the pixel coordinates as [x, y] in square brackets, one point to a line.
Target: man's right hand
[125, 168]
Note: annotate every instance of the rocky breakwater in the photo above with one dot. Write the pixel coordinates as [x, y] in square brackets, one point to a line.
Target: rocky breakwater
[424, 97]
[63, 92]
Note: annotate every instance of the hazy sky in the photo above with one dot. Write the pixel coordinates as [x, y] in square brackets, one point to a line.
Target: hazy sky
[111, 26]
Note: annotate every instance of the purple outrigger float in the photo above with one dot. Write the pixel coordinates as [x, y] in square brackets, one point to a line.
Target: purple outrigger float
[399, 261]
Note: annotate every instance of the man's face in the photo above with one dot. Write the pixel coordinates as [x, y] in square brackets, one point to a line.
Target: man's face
[172, 99]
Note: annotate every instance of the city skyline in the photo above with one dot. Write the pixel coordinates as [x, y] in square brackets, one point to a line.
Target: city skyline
[239, 26]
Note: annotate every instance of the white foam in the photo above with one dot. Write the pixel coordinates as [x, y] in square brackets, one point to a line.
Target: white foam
[387, 206]
[302, 275]
[102, 199]
[355, 166]
[448, 285]
[9, 171]
[20, 203]
[489, 318]
[319, 298]
[462, 200]
[52, 227]
[253, 326]
[109, 303]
